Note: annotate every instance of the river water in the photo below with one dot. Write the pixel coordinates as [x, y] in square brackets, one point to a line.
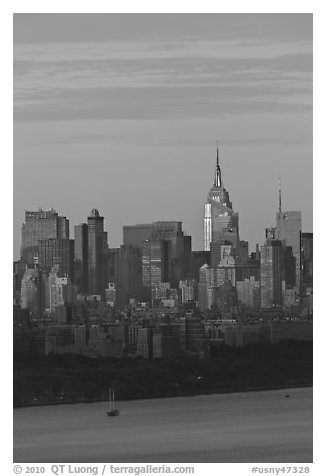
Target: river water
[230, 428]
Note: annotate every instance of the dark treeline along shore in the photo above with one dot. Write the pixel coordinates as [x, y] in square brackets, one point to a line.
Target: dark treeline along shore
[76, 378]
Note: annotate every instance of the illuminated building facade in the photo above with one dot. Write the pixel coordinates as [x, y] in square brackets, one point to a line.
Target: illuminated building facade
[154, 263]
[221, 223]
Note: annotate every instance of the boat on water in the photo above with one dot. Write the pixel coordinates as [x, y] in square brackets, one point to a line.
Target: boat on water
[112, 410]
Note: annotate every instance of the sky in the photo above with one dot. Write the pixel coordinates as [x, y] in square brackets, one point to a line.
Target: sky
[121, 112]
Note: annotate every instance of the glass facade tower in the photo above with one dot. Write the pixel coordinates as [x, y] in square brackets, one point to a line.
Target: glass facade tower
[288, 230]
[97, 253]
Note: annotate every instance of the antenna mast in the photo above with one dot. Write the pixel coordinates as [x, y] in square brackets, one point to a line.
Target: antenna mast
[279, 195]
[218, 174]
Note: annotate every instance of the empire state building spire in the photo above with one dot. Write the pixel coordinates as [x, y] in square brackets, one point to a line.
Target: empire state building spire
[279, 195]
[218, 174]
[221, 223]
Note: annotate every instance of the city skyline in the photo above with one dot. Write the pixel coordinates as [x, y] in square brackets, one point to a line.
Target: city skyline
[131, 116]
[163, 267]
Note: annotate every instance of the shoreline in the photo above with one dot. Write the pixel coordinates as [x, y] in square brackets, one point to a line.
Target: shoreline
[184, 394]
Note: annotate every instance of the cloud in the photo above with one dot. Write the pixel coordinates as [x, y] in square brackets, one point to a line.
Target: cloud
[159, 80]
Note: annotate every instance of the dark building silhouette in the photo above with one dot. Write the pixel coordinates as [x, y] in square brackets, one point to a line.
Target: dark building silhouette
[288, 264]
[166, 343]
[248, 270]
[307, 259]
[198, 259]
[179, 248]
[129, 274]
[226, 297]
[97, 254]
[81, 257]
[192, 334]
[57, 251]
[135, 235]
[271, 254]
[288, 230]
[155, 264]
[243, 251]
[113, 264]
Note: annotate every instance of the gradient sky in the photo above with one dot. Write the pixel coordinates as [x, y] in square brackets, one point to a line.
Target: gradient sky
[121, 112]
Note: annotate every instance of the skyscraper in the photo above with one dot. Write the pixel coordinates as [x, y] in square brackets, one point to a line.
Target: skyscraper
[288, 230]
[154, 263]
[41, 225]
[81, 257]
[97, 253]
[271, 273]
[221, 223]
[129, 274]
[178, 245]
[57, 251]
[307, 259]
[198, 259]
[179, 248]
[135, 235]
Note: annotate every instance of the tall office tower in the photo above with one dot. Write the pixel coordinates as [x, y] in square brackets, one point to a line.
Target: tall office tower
[57, 251]
[198, 259]
[113, 265]
[154, 263]
[187, 256]
[179, 248]
[129, 274]
[307, 259]
[206, 285]
[97, 254]
[288, 265]
[221, 223]
[81, 257]
[135, 235]
[271, 273]
[243, 252]
[288, 230]
[179, 253]
[182, 261]
[41, 225]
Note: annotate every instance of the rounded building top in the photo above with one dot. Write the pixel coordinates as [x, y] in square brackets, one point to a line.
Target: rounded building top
[95, 213]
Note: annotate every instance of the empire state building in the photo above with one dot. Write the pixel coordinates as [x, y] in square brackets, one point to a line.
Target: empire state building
[221, 223]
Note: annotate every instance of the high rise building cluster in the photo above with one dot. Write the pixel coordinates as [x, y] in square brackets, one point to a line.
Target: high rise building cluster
[160, 294]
